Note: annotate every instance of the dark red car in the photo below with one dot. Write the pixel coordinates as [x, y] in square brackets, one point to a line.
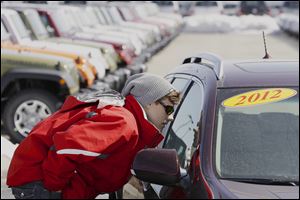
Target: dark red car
[235, 133]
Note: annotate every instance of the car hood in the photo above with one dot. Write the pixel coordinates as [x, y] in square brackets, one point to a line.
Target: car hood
[93, 55]
[76, 49]
[94, 36]
[259, 191]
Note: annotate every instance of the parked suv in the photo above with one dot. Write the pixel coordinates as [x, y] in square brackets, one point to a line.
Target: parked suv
[33, 22]
[86, 75]
[235, 133]
[33, 86]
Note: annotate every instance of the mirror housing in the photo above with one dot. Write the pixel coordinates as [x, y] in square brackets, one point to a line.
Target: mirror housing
[159, 166]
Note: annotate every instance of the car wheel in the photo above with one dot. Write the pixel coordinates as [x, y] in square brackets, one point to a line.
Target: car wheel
[25, 109]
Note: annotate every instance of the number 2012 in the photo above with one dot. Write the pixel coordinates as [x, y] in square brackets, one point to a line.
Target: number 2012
[258, 97]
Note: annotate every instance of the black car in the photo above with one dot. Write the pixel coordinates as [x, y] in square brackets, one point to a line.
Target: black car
[235, 133]
[253, 7]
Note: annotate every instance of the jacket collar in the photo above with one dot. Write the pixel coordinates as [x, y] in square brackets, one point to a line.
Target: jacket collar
[103, 98]
[148, 133]
[70, 103]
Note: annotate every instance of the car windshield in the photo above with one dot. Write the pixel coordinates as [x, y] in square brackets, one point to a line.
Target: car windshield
[127, 14]
[107, 15]
[4, 33]
[100, 16]
[59, 17]
[36, 23]
[257, 134]
[91, 16]
[19, 25]
[116, 15]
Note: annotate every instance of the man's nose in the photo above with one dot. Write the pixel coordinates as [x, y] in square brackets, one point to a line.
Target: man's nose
[170, 117]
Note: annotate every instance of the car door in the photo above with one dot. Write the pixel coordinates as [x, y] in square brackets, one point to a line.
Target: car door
[182, 135]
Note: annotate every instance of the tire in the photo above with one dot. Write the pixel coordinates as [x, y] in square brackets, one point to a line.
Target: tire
[25, 109]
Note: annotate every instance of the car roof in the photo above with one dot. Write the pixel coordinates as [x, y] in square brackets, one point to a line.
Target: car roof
[242, 73]
[260, 73]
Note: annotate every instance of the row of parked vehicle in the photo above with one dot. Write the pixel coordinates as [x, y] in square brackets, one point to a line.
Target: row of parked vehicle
[189, 8]
[51, 51]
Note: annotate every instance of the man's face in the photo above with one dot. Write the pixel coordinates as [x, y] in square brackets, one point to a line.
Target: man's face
[157, 114]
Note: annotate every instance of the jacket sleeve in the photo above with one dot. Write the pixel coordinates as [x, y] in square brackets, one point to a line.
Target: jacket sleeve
[85, 141]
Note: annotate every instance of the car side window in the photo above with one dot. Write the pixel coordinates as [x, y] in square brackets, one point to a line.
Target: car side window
[181, 85]
[183, 134]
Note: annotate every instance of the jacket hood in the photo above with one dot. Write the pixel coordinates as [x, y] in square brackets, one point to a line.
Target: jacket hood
[150, 135]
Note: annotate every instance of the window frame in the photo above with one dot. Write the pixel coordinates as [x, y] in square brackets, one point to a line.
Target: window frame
[190, 81]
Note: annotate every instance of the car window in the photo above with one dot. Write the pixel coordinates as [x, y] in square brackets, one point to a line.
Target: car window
[46, 22]
[107, 15]
[183, 133]
[35, 23]
[257, 133]
[163, 3]
[116, 15]
[4, 33]
[180, 84]
[207, 3]
[100, 16]
[230, 6]
[20, 27]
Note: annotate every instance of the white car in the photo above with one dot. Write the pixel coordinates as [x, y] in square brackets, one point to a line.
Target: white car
[208, 7]
[85, 23]
[230, 7]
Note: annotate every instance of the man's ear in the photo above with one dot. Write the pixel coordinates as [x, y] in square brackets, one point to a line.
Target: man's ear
[146, 107]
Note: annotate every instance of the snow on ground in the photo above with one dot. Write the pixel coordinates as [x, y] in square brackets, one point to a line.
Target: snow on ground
[7, 148]
[7, 151]
[248, 24]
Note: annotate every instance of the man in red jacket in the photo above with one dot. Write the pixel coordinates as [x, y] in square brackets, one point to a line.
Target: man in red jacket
[87, 147]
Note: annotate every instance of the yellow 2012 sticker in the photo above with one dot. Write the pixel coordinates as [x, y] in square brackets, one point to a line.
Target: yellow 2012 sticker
[257, 97]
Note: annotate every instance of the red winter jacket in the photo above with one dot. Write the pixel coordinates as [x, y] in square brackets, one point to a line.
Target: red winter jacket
[90, 157]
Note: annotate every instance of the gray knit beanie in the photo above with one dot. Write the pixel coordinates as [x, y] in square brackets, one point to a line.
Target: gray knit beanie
[147, 88]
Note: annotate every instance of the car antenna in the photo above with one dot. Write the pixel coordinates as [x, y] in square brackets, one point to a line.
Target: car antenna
[267, 56]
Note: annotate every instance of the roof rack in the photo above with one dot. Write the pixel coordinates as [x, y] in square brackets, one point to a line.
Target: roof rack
[212, 58]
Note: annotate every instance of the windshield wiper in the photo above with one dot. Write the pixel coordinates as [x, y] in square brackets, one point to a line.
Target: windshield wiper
[265, 181]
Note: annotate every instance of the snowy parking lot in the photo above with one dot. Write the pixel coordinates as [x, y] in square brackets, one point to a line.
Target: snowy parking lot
[246, 24]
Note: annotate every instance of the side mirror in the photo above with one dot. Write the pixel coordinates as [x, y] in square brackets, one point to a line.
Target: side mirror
[159, 166]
